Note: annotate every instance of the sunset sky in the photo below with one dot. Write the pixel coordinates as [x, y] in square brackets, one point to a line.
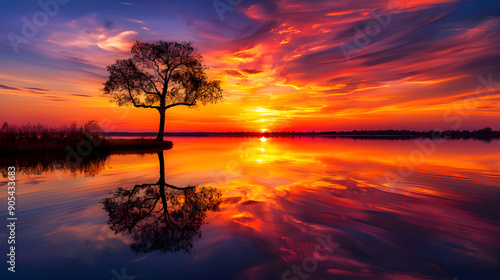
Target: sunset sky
[284, 65]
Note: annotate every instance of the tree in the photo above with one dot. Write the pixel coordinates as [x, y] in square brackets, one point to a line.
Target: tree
[160, 76]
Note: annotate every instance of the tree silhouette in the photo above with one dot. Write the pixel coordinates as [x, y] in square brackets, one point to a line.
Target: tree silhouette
[161, 217]
[161, 75]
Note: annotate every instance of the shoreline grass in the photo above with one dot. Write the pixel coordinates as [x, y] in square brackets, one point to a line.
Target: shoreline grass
[40, 140]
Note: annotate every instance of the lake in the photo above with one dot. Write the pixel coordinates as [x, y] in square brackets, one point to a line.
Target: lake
[257, 208]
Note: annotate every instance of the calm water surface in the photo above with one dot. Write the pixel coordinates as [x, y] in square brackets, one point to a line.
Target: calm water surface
[276, 208]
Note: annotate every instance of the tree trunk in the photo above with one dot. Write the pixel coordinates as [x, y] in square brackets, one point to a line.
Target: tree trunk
[161, 181]
[162, 125]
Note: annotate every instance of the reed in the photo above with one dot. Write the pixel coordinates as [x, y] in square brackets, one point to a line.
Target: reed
[43, 138]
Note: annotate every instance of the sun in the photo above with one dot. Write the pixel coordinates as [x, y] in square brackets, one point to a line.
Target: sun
[263, 129]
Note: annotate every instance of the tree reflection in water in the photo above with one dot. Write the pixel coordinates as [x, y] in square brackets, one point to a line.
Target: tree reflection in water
[161, 217]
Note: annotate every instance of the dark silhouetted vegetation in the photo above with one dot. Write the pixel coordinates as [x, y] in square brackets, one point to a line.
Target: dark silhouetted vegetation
[160, 76]
[41, 139]
[36, 149]
[90, 165]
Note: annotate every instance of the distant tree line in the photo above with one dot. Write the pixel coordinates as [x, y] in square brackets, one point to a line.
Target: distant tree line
[485, 133]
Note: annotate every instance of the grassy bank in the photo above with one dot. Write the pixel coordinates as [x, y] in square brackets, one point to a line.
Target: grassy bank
[124, 145]
[95, 147]
[40, 140]
[33, 162]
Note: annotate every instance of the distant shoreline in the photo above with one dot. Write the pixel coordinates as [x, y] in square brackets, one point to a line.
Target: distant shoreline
[484, 134]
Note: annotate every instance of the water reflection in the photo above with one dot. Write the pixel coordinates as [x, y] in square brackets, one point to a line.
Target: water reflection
[29, 165]
[161, 217]
[277, 198]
